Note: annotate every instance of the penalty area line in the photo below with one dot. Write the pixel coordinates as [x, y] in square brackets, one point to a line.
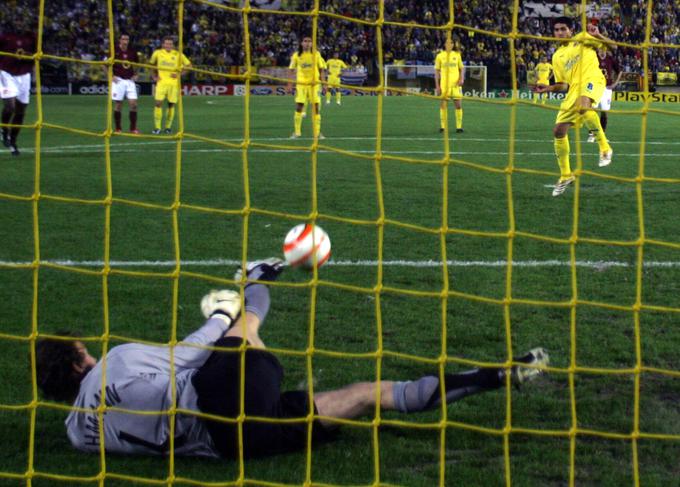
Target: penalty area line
[593, 264]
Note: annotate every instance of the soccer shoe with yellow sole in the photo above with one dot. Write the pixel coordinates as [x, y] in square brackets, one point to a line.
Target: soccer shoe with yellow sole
[295, 136]
[537, 361]
[605, 158]
[156, 131]
[562, 184]
[167, 131]
[261, 270]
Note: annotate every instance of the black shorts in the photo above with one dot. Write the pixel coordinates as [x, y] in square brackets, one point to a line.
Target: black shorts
[218, 386]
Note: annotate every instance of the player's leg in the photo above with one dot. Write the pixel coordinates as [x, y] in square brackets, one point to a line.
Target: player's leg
[173, 98]
[592, 121]
[459, 110]
[132, 105]
[328, 92]
[8, 105]
[159, 97]
[561, 143]
[117, 116]
[17, 119]
[117, 96]
[443, 114]
[425, 393]
[257, 300]
[315, 100]
[133, 116]
[300, 101]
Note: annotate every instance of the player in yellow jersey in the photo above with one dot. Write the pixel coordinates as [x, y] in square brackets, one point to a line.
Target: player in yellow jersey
[449, 75]
[577, 71]
[170, 66]
[310, 68]
[335, 67]
[543, 73]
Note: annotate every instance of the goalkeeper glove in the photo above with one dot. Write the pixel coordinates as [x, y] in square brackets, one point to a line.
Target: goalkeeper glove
[223, 304]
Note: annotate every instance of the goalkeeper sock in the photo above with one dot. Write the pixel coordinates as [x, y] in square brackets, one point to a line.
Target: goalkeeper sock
[169, 117]
[157, 117]
[298, 123]
[592, 121]
[117, 117]
[424, 393]
[317, 124]
[459, 118]
[442, 117]
[257, 300]
[562, 153]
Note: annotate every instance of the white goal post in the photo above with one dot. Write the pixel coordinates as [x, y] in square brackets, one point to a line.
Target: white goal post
[419, 78]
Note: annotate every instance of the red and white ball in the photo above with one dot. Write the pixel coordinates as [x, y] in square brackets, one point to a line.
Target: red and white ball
[304, 243]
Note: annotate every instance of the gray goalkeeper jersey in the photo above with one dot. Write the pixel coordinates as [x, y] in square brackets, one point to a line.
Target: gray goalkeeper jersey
[138, 379]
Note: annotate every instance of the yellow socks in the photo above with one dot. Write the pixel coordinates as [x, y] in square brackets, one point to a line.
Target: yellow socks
[442, 117]
[592, 121]
[562, 153]
[328, 96]
[298, 123]
[459, 118]
[169, 117]
[317, 125]
[157, 117]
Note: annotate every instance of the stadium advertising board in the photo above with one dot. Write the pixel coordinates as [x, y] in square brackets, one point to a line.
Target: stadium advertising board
[207, 90]
[641, 96]
[103, 89]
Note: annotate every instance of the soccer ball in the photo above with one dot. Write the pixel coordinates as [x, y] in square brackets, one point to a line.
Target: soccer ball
[303, 242]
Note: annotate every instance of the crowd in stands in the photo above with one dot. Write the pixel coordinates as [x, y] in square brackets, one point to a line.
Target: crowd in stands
[213, 37]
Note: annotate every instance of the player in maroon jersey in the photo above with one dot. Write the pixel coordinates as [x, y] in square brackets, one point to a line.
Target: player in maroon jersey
[611, 71]
[123, 83]
[15, 82]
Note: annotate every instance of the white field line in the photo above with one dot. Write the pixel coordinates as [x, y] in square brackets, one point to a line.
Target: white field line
[279, 139]
[303, 151]
[592, 264]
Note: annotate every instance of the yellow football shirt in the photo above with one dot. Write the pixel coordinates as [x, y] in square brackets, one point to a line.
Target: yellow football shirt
[543, 71]
[304, 63]
[167, 62]
[335, 67]
[449, 64]
[576, 61]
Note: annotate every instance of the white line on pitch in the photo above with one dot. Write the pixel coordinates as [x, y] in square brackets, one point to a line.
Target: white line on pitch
[594, 264]
[303, 150]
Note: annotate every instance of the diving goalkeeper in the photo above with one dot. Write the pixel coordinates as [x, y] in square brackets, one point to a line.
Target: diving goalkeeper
[138, 378]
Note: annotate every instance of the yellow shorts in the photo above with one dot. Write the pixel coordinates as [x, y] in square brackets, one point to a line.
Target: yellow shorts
[307, 93]
[568, 110]
[167, 89]
[334, 81]
[453, 91]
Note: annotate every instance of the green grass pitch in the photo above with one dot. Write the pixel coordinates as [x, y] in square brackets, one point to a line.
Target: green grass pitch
[407, 188]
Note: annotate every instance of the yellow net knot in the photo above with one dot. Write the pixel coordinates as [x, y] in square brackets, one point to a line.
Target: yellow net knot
[175, 206]
[573, 431]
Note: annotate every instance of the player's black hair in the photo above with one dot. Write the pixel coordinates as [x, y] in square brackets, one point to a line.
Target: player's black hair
[568, 21]
[302, 37]
[172, 38]
[55, 372]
